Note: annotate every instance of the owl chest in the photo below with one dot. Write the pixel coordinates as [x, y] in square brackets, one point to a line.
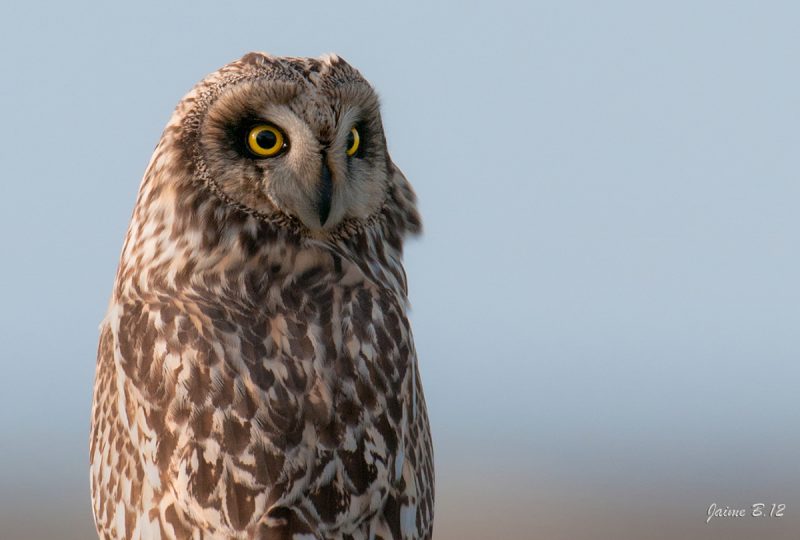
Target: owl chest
[346, 335]
[317, 353]
[322, 375]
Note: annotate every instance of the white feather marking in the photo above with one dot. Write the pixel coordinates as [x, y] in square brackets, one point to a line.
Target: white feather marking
[408, 519]
[211, 450]
[119, 519]
[414, 390]
[399, 461]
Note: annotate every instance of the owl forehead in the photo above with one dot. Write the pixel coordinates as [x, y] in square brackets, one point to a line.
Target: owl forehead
[316, 89]
[322, 92]
[319, 114]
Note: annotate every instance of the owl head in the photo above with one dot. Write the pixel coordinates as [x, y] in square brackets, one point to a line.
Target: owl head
[297, 137]
[264, 154]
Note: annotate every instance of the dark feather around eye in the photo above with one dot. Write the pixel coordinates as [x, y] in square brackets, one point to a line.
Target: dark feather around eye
[365, 141]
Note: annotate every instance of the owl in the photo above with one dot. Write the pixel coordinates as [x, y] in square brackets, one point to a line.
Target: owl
[256, 372]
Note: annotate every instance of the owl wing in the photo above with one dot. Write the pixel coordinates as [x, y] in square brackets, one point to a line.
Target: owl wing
[116, 473]
[409, 510]
[215, 436]
[422, 471]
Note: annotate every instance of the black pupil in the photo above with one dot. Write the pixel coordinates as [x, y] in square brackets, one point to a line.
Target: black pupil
[351, 140]
[266, 139]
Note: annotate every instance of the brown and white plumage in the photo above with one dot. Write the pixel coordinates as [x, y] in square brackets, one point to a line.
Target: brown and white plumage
[256, 372]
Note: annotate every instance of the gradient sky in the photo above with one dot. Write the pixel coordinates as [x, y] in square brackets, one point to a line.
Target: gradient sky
[606, 296]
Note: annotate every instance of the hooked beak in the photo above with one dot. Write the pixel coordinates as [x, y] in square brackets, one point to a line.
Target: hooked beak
[325, 193]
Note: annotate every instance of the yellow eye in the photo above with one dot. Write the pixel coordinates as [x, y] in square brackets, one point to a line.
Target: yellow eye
[265, 140]
[353, 140]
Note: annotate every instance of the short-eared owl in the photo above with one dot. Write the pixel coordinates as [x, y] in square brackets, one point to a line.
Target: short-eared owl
[256, 374]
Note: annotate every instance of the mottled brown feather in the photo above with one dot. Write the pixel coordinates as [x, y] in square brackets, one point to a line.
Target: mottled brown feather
[257, 378]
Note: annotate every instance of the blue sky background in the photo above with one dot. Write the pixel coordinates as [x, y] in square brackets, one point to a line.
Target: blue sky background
[605, 300]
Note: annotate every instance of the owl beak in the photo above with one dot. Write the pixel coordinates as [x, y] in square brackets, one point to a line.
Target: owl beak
[325, 193]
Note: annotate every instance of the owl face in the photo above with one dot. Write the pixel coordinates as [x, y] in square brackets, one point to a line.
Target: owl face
[301, 137]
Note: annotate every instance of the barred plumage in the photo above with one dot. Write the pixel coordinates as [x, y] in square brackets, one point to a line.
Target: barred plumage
[256, 372]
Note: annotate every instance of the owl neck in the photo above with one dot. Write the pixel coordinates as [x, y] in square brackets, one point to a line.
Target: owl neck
[183, 239]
